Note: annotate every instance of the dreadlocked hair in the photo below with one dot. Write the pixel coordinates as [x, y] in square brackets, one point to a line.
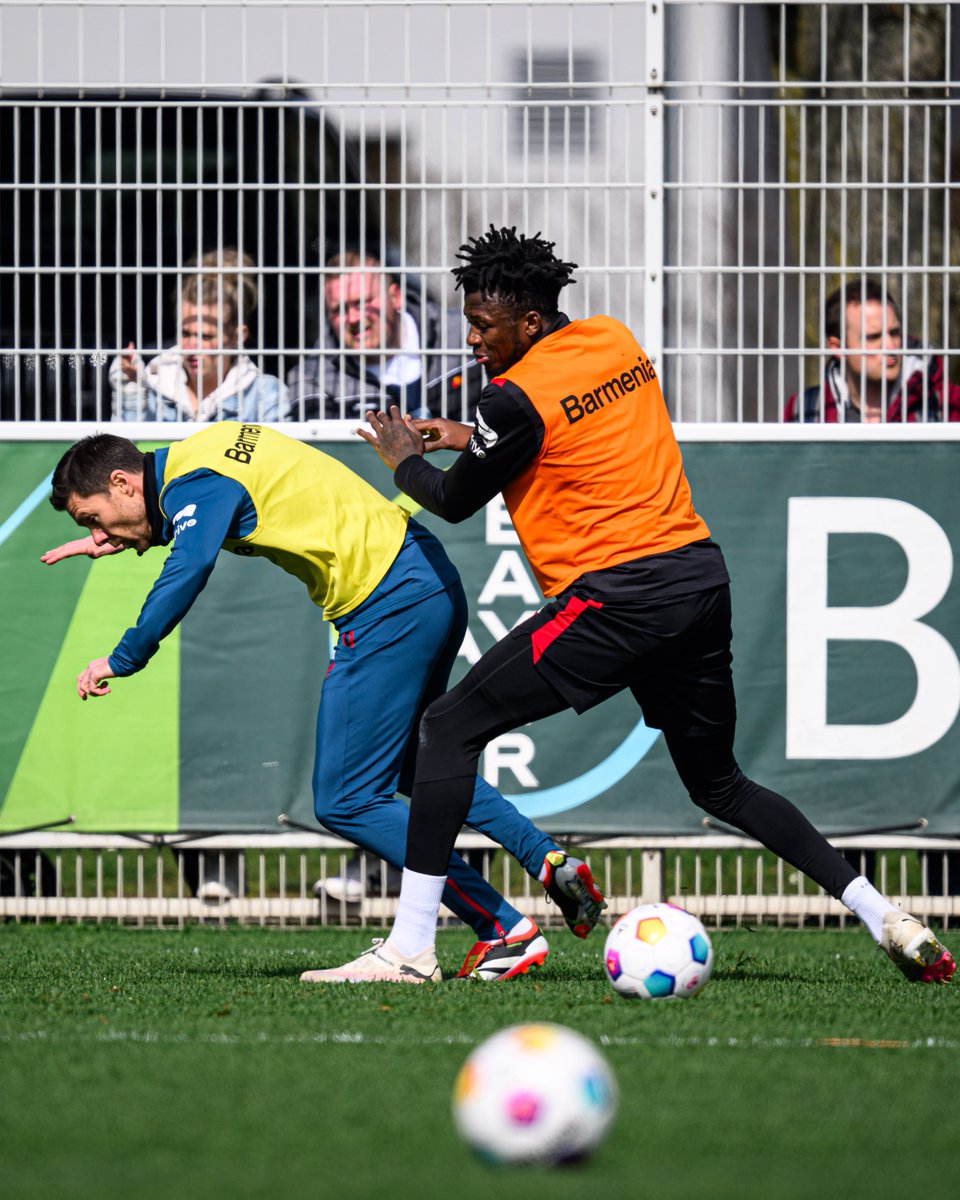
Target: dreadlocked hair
[521, 270]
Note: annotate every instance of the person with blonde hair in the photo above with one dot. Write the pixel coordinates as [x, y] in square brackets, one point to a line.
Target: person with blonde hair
[207, 376]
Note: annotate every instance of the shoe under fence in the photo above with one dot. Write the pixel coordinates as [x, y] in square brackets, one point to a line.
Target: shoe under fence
[299, 879]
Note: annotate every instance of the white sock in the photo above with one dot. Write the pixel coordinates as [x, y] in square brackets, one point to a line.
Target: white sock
[865, 902]
[415, 926]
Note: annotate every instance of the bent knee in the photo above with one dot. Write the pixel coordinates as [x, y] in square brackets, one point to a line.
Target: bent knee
[448, 742]
[330, 799]
[327, 809]
[723, 796]
[444, 724]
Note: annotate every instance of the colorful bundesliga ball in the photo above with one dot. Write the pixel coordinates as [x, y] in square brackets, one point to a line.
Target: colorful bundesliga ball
[658, 952]
[537, 1094]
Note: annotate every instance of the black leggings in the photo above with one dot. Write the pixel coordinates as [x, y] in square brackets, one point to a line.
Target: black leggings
[505, 690]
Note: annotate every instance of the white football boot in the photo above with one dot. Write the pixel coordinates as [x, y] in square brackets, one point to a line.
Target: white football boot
[381, 964]
[915, 949]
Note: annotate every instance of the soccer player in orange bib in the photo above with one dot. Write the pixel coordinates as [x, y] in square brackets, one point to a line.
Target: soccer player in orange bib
[572, 429]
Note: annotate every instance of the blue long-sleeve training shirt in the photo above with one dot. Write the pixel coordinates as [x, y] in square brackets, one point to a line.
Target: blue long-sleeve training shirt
[207, 508]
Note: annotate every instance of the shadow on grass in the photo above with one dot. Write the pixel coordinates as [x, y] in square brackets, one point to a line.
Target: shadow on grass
[749, 969]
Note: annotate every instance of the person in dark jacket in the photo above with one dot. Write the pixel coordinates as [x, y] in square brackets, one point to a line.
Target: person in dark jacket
[874, 374]
[380, 342]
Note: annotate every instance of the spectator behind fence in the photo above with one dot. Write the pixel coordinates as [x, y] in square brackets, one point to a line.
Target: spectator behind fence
[866, 370]
[366, 310]
[871, 372]
[206, 377]
[192, 382]
[371, 350]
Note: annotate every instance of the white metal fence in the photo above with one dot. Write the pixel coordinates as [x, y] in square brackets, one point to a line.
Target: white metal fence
[716, 169]
[282, 880]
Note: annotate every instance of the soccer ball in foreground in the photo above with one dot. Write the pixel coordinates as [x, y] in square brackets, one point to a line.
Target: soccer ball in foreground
[658, 952]
[534, 1094]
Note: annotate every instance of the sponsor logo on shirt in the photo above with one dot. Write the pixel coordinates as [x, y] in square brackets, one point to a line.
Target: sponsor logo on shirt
[184, 519]
[242, 449]
[483, 438]
[575, 408]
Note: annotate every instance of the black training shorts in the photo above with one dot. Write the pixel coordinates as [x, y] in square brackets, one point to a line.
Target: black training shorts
[673, 654]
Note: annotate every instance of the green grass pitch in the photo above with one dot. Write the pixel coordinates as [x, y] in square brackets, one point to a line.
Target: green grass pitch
[192, 1063]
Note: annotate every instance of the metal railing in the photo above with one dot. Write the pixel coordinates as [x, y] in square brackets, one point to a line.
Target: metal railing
[715, 168]
[280, 880]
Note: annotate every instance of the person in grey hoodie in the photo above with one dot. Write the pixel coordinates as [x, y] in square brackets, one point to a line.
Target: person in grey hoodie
[207, 377]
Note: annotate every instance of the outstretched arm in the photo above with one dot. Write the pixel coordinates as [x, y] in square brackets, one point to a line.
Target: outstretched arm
[209, 504]
[216, 502]
[79, 546]
[501, 444]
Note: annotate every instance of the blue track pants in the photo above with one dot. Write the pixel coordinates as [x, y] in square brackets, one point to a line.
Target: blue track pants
[389, 664]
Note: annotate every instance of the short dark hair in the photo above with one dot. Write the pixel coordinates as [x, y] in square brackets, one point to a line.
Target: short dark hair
[86, 467]
[857, 291]
[521, 270]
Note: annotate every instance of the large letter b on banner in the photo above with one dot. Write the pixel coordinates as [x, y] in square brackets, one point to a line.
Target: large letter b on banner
[811, 624]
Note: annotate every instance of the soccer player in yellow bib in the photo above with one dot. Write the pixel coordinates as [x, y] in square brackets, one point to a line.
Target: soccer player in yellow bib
[382, 580]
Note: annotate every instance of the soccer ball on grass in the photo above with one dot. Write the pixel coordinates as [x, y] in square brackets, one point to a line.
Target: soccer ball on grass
[658, 952]
[537, 1094]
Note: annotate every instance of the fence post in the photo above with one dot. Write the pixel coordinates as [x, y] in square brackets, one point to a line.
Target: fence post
[653, 197]
[651, 876]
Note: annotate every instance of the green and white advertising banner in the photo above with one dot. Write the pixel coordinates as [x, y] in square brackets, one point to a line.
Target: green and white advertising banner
[846, 634]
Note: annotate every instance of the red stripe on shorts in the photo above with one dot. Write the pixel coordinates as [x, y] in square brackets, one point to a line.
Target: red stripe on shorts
[542, 637]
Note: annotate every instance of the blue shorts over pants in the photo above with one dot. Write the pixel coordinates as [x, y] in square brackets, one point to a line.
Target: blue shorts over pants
[394, 656]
